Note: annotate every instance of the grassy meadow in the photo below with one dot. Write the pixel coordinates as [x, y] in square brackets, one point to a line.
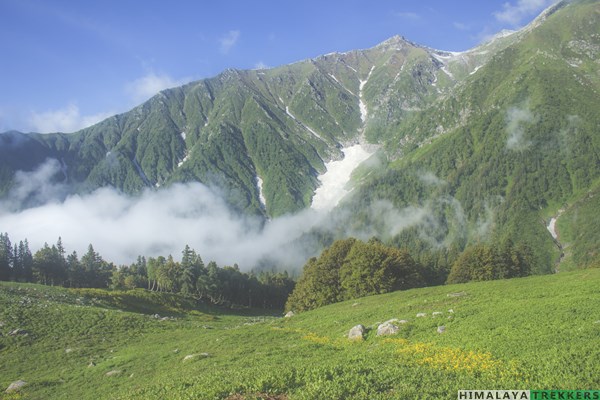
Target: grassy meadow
[539, 332]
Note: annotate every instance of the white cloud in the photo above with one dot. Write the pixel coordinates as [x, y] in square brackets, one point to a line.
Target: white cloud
[147, 86]
[227, 41]
[517, 118]
[158, 223]
[514, 14]
[67, 119]
[162, 222]
[261, 65]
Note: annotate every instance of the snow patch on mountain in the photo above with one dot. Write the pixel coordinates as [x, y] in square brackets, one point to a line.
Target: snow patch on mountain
[180, 163]
[261, 195]
[335, 180]
[361, 103]
[552, 224]
[287, 111]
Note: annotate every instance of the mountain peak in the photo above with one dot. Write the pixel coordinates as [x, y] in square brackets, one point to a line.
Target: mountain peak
[395, 41]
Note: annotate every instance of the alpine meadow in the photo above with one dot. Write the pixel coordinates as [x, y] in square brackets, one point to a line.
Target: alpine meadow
[395, 222]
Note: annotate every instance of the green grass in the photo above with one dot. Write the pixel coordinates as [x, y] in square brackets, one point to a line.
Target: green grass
[529, 333]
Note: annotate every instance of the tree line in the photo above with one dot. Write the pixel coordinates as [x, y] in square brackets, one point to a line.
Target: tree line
[350, 269]
[190, 277]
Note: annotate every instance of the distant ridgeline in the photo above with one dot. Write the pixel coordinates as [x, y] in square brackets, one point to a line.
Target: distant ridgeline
[226, 286]
[479, 147]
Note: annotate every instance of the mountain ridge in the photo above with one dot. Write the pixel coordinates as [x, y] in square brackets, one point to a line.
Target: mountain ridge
[474, 120]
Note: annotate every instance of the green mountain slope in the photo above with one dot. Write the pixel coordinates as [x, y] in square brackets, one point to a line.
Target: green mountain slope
[526, 333]
[516, 141]
[487, 144]
[279, 124]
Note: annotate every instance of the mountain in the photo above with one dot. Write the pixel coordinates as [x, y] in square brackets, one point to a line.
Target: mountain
[488, 144]
[280, 125]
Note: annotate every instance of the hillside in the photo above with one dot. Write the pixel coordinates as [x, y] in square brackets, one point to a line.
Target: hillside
[527, 333]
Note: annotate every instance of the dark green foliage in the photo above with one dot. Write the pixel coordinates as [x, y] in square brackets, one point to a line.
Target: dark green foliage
[484, 263]
[226, 286]
[6, 255]
[320, 283]
[372, 268]
[350, 269]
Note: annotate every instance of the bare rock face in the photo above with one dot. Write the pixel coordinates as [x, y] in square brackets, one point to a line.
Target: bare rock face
[15, 386]
[387, 329]
[357, 333]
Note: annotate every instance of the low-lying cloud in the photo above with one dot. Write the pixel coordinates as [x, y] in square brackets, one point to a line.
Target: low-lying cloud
[150, 84]
[162, 222]
[155, 223]
[516, 120]
[67, 119]
[228, 41]
[514, 14]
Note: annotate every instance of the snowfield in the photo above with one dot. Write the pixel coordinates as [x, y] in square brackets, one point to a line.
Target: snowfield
[334, 181]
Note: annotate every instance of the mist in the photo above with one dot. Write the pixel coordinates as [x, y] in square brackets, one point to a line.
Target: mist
[161, 222]
[516, 120]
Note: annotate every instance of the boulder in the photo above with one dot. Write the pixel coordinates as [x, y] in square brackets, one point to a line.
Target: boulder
[457, 294]
[421, 315]
[357, 332]
[113, 372]
[192, 356]
[441, 329]
[15, 386]
[18, 331]
[387, 328]
[289, 314]
[436, 313]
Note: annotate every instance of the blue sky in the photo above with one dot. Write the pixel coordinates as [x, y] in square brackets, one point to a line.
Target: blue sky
[66, 64]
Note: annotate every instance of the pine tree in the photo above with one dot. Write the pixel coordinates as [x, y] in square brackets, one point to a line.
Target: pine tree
[6, 257]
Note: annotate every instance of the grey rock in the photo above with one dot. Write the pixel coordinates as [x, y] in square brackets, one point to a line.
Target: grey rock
[192, 356]
[441, 329]
[113, 372]
[421, 315]
[18, 331]
[387, 328]
[457, 294]
[357, 332]
[289, 314]
[15, 386]
[436, 313]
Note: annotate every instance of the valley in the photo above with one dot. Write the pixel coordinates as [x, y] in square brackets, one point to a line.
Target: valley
[390, 222]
